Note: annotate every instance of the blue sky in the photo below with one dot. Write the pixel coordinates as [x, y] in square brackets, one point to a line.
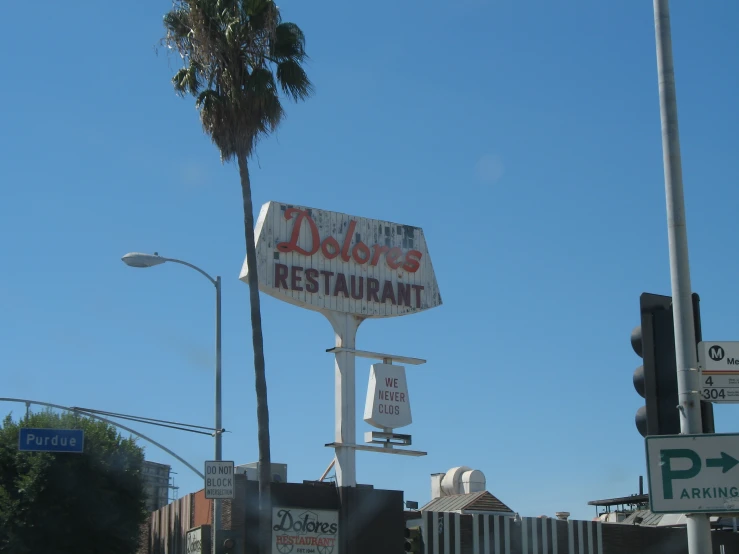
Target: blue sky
[523, 137]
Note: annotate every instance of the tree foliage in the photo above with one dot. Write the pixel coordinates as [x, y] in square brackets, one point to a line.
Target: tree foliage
[237, 56]
[70, 503]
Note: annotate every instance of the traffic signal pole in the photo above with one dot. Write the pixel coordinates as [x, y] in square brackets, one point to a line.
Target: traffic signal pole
[688, 377]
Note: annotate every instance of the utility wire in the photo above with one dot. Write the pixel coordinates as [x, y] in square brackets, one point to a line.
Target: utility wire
[146, 418]
[151, 421]
[137, 420]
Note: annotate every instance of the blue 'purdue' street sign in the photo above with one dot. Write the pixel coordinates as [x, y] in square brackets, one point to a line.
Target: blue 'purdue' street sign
[51, 440]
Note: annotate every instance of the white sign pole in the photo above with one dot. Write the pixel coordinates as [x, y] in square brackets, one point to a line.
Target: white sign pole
[345, 433]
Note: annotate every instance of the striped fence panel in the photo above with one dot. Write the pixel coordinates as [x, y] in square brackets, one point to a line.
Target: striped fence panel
[168, 527]
[450, 533]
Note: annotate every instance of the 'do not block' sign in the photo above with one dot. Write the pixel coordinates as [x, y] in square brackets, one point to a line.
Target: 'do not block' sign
[388, 405]
[333, 262]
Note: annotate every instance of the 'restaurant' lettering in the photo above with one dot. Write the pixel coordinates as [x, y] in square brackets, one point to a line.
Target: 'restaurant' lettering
[311, 284]
[335, 284]
[331, 248]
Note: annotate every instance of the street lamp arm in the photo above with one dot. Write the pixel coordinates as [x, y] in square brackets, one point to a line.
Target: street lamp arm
[114, 423]
[196, 268]
[137, 259]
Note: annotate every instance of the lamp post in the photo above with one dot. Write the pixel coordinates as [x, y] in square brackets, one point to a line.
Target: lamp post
[137, 259]
[688, 378]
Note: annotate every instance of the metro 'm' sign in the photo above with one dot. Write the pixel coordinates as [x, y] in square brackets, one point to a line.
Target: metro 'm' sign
[329, 261]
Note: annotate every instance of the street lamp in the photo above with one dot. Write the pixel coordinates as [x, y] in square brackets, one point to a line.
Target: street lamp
[137, 259]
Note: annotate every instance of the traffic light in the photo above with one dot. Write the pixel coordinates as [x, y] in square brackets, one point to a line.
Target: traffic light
[413, 540]
[656, 379]
[228, 542]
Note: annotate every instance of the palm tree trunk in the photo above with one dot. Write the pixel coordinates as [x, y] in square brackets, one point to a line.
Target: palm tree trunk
[265, 459]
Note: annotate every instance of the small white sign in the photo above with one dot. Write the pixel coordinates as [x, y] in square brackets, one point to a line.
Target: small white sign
[305, 531]
[718, 356]
[721, 387]
[219, 480]
[387, 405]
[693, 473]
[196, 541]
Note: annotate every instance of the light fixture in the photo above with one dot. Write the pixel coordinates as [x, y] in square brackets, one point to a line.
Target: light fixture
[137, 259]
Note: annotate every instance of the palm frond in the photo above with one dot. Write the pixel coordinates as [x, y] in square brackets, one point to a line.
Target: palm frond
[264, 100]
[260, 83]
[208, 101]
[289, 43]
[179, 81]
[176, 23]
[238, 58]
[216, 122]
[226, 6]
[260, 14]
[294, 80]
[187, 80]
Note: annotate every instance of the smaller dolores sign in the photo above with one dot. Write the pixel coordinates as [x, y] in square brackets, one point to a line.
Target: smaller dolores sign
[387, 405]
[333, 262]
[198, 540]
[304, 531]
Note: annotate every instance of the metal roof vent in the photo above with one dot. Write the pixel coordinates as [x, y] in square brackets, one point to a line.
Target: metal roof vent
[462, 480]
[473, 481]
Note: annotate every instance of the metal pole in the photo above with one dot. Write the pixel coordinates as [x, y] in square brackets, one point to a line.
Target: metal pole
[219, 453]
[688, 379]
[345, 430]
[333, 461]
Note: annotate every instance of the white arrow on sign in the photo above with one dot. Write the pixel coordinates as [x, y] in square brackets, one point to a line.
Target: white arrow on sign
[693, 473]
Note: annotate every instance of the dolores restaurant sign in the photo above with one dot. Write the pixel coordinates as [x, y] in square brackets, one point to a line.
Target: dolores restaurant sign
[304, 531]
[329, 261]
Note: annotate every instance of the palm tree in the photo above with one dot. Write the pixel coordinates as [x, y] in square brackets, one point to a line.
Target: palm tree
[237, 55]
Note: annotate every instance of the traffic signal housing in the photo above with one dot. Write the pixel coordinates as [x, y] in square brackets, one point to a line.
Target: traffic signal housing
[656, 379]
[228, 542]
[413, 540]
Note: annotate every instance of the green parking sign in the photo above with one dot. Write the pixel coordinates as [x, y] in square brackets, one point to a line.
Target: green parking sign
[693, 473]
